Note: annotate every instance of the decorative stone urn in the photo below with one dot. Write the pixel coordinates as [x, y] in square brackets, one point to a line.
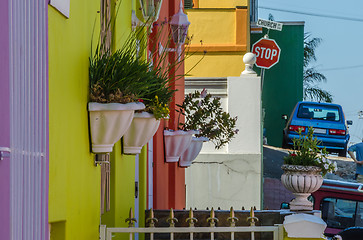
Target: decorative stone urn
[301, 181]
[176, 142]
[192, 151]
[109, 122]
[143, 127]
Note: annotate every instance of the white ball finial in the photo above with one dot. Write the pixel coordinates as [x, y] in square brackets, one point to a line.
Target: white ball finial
[249, 60]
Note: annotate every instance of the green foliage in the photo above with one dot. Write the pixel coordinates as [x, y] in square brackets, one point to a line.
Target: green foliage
[127, 75]
[117, 77]
[204, 113]
[158, 109]
[311, 76]
[307, 153]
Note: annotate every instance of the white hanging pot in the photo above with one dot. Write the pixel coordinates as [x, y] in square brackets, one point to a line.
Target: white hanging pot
[301, 181]
[176, 142]
[143, 127]
[192, 151]
[109, 122]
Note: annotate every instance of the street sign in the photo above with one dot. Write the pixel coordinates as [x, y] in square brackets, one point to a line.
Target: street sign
[269, 24]
[267, 53]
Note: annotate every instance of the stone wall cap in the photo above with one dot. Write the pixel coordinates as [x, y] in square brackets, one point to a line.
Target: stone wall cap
[296, 225]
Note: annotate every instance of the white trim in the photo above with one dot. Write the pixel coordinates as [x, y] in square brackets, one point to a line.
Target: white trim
[150, 170]
[28, 120]
[277, 231]
[63, 6]
[137, 199]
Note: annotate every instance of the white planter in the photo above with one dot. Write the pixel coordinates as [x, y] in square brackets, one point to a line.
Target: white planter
[192, 151]
[176, 142]
[109, 122]
[142, 129]
[301, 181]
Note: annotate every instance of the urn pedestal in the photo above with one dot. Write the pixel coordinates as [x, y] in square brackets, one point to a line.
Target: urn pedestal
[301, 181]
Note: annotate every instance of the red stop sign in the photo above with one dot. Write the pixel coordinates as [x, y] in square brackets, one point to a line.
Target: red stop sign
[267, 53]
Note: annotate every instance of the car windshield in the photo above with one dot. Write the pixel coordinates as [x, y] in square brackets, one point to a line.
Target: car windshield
[342, 213]
[321, 112]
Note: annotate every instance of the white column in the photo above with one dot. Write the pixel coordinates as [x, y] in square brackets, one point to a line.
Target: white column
[244, 101]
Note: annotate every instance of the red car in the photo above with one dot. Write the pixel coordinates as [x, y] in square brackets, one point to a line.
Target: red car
[341, 204]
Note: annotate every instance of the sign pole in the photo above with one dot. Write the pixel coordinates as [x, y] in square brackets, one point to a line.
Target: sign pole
[267, 51]
[263, 69]
[262, 78]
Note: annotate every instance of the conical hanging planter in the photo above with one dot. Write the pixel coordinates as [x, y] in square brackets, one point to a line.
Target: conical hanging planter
[142, 129]
[176, 142]
[192, 151]
[109, 122]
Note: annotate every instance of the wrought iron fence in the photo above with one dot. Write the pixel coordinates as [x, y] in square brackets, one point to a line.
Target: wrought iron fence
[192, 232]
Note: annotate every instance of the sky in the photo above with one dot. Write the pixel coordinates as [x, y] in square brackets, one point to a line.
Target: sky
[340, 55]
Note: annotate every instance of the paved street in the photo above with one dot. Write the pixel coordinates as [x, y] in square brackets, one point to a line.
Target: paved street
[274, 193]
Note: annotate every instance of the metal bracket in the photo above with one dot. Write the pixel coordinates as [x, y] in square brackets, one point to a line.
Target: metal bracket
[4, 153]
[102, 158]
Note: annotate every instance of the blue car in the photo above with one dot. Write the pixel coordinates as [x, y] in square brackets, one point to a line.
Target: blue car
[328, 121]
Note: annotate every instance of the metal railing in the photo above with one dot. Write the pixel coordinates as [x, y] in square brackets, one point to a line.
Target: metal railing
[276, 230]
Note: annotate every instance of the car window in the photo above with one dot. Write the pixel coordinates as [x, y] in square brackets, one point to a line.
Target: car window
[359, 215]
[342, 213]
[312, 111]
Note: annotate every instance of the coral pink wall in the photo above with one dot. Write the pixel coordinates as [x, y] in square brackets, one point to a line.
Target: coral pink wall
[169, 179]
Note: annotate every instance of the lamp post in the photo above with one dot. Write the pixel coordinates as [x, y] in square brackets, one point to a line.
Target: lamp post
[151, 10]
[179, 25]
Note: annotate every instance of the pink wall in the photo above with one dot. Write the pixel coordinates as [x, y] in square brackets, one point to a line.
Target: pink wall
[4, 121]
[169, 179]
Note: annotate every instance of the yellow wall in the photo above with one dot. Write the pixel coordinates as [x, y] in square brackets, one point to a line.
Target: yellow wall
[287, 238]
[221, 64]
[203, 21]
[222, 35]
[221, 4]
[74, 181]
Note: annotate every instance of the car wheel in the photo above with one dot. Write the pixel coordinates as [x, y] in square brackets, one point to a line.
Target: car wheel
[352, 233]
[284, 144]
[343, 152]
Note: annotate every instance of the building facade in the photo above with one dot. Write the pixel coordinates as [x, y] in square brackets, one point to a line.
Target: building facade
[49, 180]
[230, 176]
[283, 83]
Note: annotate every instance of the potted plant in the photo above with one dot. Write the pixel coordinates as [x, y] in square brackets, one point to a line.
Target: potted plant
[144, 125]
[304, 169]
[156, 96]
[114, 86]
[176, 143]
[192, 151]
[205, 114]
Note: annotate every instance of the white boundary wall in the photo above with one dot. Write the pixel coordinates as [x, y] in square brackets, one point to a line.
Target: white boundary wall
[231, 176]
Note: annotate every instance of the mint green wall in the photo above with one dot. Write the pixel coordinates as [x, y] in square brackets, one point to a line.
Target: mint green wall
[283, 83]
